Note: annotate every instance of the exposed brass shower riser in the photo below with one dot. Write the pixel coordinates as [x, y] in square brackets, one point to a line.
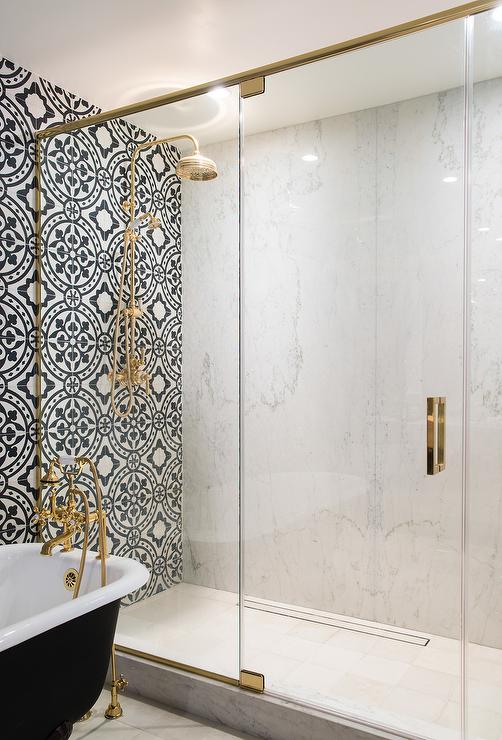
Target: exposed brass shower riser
[133, 373]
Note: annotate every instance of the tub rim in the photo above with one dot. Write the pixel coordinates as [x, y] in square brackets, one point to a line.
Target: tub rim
[131, 575]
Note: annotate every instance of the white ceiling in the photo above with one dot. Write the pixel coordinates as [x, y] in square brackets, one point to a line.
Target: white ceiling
[113, 52]
[405, 68]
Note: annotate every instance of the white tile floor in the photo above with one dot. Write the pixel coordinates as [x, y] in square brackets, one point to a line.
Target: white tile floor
[146, 721]
[413, 688]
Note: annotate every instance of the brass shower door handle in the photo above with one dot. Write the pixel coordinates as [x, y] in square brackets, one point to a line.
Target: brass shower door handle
[436, 429]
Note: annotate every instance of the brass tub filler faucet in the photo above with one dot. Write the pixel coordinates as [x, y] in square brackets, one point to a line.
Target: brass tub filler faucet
[73, 521]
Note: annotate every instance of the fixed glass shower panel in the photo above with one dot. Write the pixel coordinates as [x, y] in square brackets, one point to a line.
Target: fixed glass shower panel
[194, 620]
[168, 460]
[352, 259]
[484, 443]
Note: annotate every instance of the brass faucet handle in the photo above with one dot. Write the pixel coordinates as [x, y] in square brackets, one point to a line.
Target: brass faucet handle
[121, 682]
[42, 516]
[70, 516]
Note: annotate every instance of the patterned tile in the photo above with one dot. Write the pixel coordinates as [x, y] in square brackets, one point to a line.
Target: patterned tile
[85, 179]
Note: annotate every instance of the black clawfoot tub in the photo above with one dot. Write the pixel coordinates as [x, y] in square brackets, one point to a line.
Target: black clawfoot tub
[54, 650]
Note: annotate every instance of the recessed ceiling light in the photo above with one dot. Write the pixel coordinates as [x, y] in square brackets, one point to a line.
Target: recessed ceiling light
[484, 228]
[450, 178]
[218, 93]
[310, 157]
[498, 239]
[497, 14]
[481, 280]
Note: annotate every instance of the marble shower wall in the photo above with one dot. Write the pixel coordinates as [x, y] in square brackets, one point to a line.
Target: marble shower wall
[353, 316]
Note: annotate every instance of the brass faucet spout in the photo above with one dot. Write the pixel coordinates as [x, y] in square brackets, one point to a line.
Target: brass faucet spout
[61, 539]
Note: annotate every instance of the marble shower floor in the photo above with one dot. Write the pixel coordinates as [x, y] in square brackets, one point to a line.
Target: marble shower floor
[385, 681]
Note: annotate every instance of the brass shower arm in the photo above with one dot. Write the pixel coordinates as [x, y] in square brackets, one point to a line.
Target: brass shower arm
[147, 145]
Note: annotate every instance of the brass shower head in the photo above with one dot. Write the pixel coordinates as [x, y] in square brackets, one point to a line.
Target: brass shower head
[196, 167]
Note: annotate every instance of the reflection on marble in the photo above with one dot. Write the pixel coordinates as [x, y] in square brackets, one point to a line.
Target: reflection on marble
[210, 230]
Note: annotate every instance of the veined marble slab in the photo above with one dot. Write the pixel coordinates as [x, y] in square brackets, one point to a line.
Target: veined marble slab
[353, 316]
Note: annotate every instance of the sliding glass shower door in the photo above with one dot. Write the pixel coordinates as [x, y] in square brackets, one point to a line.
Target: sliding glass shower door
[352, 380]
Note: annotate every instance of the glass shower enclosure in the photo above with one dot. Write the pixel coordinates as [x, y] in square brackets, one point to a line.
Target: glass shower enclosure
[353, 296]
[314, 481]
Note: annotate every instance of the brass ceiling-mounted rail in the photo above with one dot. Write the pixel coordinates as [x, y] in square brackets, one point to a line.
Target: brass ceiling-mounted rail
[360, 42]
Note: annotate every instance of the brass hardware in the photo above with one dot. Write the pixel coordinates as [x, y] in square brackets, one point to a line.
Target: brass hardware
[252, 681]
[85, 716]
[436, 429]
[70, 579]
[114, 709]
[133, 374]
[70, 518]
[38, 317]
[179, 666]
[250, 88]
[74, 521]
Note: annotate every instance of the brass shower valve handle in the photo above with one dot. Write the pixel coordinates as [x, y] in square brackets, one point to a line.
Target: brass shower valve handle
[133, 374]
[133, 311]
[42, 516]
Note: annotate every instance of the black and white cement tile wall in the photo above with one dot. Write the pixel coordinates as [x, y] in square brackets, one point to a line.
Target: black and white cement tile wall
[26, 103]
[84, 181]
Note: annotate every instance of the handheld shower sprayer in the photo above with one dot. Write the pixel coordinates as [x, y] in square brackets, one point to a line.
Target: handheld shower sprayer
[133, 374]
